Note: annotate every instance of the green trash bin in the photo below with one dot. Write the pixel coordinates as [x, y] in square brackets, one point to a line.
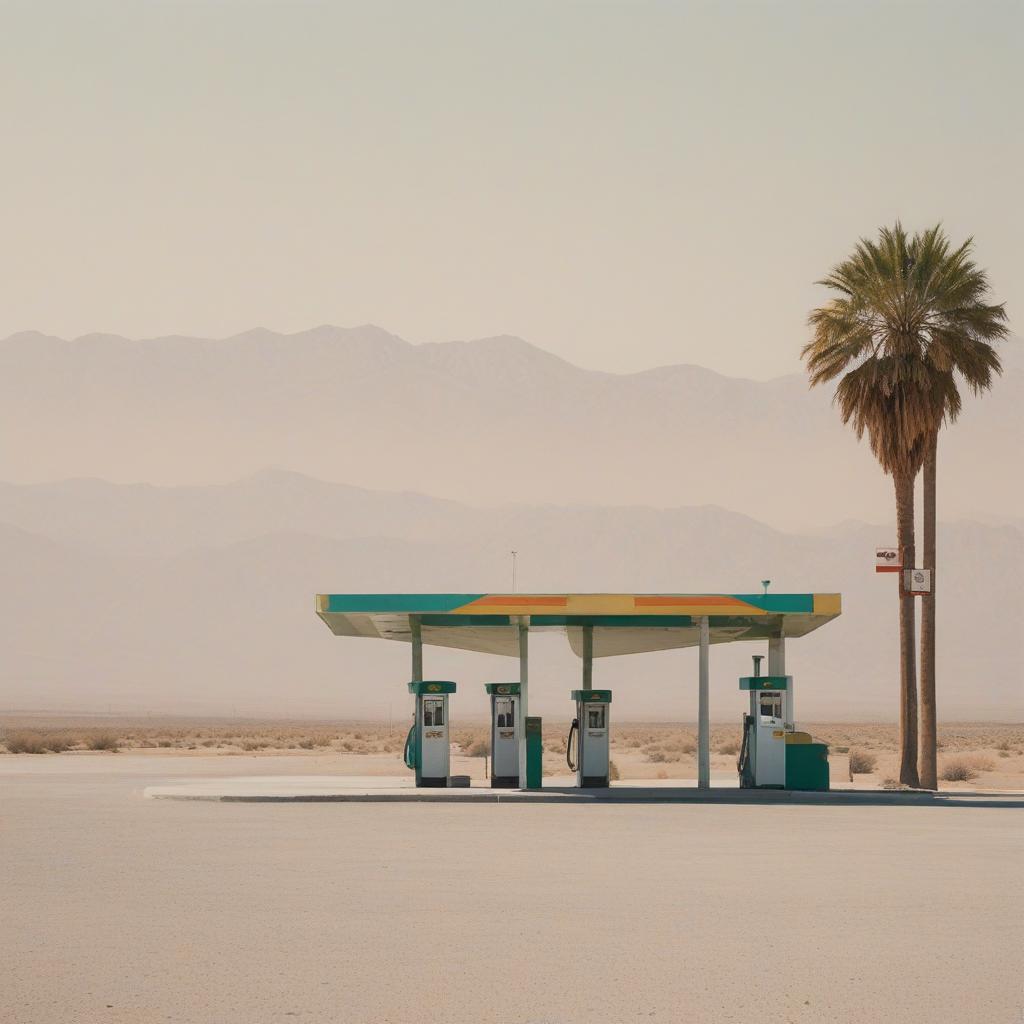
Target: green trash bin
[534, 754]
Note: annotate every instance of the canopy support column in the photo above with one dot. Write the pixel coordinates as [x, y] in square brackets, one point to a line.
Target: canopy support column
[703, 712]
[524, 676]
[417, 648]
[588, 657]
[777, 667]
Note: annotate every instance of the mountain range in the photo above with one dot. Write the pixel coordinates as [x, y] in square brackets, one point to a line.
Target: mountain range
[485, 422]
[200, 599]
[174, 504]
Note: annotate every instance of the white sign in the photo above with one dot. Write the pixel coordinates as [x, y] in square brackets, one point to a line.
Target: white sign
[888, 560]
[917, 581]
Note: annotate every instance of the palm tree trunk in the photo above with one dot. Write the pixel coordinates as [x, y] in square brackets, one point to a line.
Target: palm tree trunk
[927, 760]
[904, 484]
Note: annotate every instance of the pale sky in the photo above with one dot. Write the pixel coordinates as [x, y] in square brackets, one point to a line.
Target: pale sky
[624, 184]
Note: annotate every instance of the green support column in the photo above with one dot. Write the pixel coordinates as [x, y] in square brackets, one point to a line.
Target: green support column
[534, 754]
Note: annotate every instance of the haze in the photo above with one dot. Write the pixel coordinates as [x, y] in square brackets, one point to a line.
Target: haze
[587, 235]
[625, 185]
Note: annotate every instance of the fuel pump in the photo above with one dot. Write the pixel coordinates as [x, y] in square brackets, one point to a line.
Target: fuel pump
[427, 748]
[504, 734]
[774, 754]
[586, 748]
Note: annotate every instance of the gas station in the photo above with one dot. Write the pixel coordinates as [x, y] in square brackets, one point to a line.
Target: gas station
[774, 753]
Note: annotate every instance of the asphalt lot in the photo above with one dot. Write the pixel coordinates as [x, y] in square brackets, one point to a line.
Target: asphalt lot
[118, 908]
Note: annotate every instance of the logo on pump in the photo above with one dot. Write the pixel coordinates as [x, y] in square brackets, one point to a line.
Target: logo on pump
[434, 688]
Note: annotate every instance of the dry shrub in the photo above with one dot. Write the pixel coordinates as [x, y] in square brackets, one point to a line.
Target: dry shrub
[729, 747]
[959, 769]
[103, 741]
[613, 771]
[25, 743]
[477, 748]
[657, 756]
[31, 742]
[861, 762]
[893, 784]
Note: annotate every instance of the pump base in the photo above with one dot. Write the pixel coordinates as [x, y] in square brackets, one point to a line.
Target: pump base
[441, 783]
[505, 782]
[594, 782]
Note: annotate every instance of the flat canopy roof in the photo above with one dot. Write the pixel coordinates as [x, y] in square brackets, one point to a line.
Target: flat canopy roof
[622, 623]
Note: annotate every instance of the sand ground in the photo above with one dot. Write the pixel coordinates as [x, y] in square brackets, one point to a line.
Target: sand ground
[117, 908]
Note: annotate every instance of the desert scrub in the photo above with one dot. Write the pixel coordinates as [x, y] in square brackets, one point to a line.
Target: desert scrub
[861, 762]
[103, 741]
[958, 769]
[36, 743]
[613, 771]
[729, 747]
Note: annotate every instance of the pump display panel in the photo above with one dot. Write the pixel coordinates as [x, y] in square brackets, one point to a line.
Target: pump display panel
[504, 713]
[433, 711]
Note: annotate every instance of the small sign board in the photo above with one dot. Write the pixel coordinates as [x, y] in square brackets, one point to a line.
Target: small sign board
[917, 581]
[888, 559]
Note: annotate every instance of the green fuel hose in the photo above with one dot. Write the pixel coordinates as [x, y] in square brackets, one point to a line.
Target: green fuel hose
[409, 755]
[574, 730]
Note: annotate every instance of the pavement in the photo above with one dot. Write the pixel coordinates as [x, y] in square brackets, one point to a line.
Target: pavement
[118, 908]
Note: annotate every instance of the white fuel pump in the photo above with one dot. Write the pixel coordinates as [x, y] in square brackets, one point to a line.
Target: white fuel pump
[774, 754]
[504, 734]
[765, 728]
[427, 747]
[586, 750]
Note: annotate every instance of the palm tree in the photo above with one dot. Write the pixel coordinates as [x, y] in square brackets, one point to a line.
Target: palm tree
[906, 320]
[956, 332]
[865, 334]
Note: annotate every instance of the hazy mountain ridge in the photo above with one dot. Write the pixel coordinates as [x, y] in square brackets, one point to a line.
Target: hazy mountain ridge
[487, 421]
[202, 608]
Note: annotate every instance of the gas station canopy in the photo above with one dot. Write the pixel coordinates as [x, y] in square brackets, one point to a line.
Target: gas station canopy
[621, 623]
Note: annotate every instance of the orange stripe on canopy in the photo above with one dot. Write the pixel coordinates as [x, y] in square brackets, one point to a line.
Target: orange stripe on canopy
[666, 601]
[520, 601]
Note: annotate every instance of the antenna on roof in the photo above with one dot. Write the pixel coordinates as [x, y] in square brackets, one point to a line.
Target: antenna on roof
[766, 584]
[514, 556]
